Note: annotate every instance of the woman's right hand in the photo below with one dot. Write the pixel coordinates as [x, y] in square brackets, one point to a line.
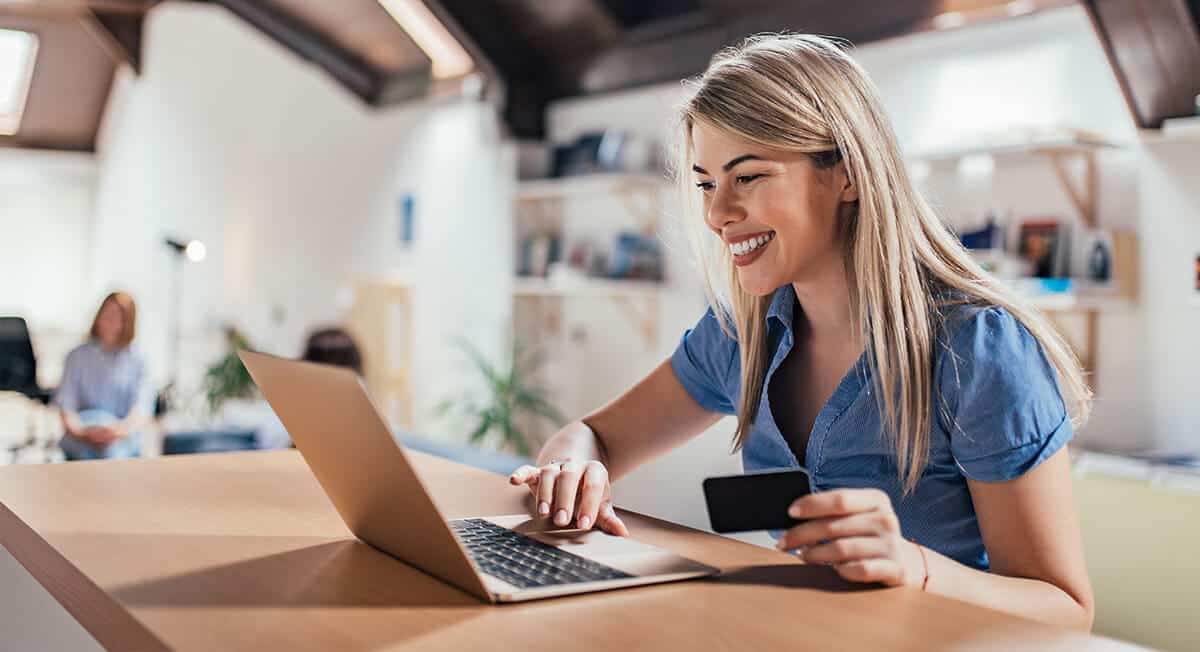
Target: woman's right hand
[570, 490]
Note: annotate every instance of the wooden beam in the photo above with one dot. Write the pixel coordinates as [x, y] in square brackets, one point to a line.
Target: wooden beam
[347, 68]
[1153, 48]
[1084, 199]
[118, 33]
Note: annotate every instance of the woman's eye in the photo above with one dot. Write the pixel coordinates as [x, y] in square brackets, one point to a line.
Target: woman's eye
[705, 185]
[747, 178]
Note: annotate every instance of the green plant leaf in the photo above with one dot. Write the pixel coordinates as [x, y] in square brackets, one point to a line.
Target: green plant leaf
[508, 398]
[485, 424]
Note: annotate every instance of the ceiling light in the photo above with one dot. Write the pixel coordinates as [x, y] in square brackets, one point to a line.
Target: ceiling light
[195, 251]
[18, 50]
[447, 54]
[949, 20]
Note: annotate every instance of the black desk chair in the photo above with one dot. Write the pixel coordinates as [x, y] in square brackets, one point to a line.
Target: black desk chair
[18, 366]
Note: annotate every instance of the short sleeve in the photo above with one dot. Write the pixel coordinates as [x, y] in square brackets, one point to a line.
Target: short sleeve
[704, 361]
[1001, 391]
[66, 396]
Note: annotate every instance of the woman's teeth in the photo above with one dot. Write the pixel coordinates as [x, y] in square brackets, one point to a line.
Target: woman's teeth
[746, 246]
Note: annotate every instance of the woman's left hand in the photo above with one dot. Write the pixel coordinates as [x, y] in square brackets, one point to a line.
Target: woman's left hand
[857, 533]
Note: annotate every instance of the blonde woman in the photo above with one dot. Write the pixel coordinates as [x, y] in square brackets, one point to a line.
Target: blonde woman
[105, 396]
[852, 335]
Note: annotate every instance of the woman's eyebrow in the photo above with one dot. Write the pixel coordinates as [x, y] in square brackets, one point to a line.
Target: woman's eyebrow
[731, 164]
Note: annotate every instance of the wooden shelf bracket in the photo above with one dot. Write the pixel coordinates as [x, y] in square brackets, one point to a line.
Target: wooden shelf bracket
[1083, 198]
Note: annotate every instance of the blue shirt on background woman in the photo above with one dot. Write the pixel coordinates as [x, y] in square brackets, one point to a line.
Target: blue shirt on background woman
[105, 396]
[850, 333]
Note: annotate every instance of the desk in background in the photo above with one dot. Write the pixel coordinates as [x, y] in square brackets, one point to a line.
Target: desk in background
[243, 551]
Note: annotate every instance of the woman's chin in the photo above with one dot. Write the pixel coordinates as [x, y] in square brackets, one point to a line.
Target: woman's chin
[757, 287]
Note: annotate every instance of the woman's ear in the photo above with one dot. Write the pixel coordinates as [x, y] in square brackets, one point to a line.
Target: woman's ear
[849, 188]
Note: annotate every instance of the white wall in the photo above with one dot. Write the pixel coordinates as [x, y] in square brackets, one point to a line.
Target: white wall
[1170, 212]
[45, 226]
[293, 183]
[1045, 70]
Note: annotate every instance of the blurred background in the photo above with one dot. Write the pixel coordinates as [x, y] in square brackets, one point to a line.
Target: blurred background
[471, 197]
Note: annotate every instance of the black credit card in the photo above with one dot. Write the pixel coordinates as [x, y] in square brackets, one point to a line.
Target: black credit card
[755, 501]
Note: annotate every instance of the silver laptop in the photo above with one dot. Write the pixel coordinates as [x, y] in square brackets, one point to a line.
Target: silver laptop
[377, 492]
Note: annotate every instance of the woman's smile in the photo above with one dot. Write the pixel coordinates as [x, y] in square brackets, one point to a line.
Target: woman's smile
[747, 248]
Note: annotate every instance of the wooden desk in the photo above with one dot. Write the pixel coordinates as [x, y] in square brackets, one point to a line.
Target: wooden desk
[243, 551]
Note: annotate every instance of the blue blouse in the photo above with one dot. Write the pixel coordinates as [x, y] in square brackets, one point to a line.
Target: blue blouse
[116, 382]
[997, 414]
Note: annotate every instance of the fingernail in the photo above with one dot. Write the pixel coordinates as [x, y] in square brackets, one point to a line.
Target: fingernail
[794, 511]
[584, 522]
[543, 509]
[560, 517]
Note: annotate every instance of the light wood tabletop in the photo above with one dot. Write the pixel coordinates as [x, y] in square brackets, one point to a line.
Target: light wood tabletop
[243, 551]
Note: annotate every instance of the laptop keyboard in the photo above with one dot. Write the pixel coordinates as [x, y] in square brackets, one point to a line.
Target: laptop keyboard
[525, 562]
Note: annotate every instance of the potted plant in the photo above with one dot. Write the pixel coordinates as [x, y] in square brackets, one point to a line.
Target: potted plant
[508, 401]
[227, 378]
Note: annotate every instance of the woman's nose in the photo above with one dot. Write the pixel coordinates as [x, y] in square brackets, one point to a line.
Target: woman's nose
[723, 211]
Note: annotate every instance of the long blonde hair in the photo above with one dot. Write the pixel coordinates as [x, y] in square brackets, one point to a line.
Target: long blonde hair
[804, 93]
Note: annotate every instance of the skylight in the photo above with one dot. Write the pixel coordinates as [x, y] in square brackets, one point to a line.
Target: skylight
[17, 53]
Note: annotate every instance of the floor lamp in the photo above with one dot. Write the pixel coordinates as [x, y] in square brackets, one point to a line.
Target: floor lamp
[190, 251]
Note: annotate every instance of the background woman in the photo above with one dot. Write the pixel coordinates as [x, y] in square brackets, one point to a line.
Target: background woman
[105, 396]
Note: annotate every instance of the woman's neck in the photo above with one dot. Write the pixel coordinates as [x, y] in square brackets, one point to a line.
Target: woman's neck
[825, 298]
[108, 347]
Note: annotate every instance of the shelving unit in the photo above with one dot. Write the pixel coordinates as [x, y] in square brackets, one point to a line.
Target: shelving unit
[588, 287]
[1023, 143]
[590, 330]
[542, 202]
[584, 185]
[1059, 146]
[639, 300]
[1092, 297]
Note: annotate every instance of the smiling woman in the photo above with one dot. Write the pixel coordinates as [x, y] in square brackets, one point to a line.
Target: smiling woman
[852, 335]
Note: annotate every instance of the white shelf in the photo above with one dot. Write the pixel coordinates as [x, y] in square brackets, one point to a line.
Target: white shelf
[589, 287]
[1195, 299]
[590, 184]
[1083, 297]
[1020, 142]
[1175, 130]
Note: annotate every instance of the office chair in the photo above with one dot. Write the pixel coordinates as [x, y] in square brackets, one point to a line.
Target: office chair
[18, 366]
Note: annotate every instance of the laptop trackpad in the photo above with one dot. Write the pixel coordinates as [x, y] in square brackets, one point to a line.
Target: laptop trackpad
[622, 553]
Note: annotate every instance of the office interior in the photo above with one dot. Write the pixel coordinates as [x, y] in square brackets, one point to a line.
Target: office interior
[479, 191]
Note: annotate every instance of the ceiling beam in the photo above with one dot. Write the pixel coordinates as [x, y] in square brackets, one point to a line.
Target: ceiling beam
[373, 86]
[119, 33]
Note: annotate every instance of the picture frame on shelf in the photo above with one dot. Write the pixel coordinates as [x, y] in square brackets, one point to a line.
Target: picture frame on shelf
[1045, 244]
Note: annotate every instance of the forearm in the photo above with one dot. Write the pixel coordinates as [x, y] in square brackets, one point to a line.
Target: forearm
[1031, 598]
